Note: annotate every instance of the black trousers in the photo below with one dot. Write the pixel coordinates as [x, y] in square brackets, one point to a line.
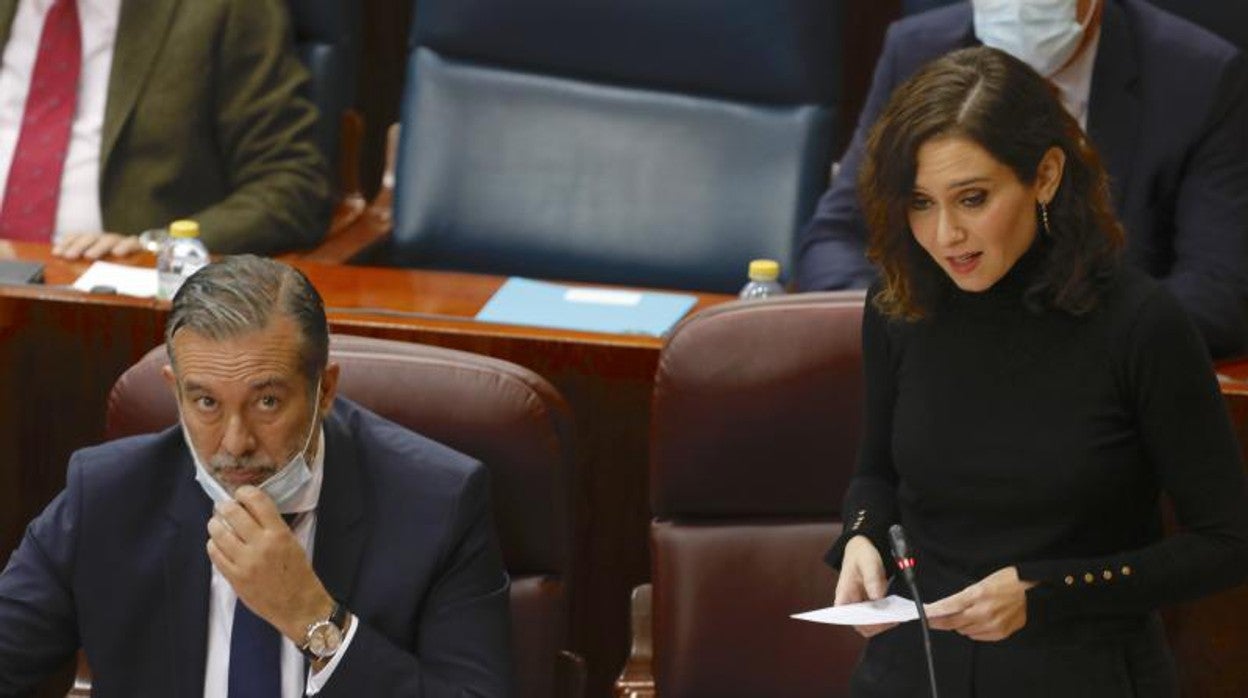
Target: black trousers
[1122, 658]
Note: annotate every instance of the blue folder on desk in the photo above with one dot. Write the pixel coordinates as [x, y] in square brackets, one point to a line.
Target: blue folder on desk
[540, 304]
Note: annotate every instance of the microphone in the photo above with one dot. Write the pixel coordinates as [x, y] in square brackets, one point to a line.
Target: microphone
[901, 553]
[905, 563]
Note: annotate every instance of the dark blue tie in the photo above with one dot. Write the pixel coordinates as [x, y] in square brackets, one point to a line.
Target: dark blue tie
[255, 656]
[255, 652]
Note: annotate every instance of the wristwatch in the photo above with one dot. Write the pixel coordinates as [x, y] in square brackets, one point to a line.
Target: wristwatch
[323, 638]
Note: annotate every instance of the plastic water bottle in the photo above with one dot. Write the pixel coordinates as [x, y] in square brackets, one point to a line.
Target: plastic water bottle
[181, 255]
[763, 275]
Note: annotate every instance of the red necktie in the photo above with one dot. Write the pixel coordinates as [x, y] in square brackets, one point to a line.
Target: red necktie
[34, 184]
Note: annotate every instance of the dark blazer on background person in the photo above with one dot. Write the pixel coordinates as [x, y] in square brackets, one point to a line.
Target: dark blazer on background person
[1168, 112]
[205, 119]
[404, 539]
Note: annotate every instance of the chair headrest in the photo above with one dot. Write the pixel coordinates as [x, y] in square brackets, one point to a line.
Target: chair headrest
[782, 51]
[757, 409]
[502, 414]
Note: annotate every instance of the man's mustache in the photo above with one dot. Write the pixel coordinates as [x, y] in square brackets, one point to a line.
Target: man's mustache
[224, 462]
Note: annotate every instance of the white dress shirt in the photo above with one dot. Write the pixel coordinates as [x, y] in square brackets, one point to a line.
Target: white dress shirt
[222, 600]
[1074, 82]
[79, 208]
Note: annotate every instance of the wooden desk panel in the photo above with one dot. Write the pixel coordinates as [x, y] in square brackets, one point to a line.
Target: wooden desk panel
[61, 351]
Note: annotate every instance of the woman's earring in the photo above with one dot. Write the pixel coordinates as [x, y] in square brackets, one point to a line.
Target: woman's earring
[1044, 218]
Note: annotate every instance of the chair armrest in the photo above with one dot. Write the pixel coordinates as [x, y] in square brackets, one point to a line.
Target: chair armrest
[636, 680]
[383, 204]
[355, 243]
[570, 675]
[82, 679]
[1233, 375]
[351, 202]
[363, 237]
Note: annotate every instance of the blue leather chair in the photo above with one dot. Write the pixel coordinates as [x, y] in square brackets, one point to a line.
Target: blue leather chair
[649, 142]
[327, 37]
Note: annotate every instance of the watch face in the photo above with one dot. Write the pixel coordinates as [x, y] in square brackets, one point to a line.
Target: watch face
[324, 638]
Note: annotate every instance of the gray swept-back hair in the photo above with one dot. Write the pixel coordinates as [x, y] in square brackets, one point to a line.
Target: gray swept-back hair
[244, 293]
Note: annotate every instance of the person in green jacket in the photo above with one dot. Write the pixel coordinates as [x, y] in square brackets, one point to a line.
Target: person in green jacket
[184, 110]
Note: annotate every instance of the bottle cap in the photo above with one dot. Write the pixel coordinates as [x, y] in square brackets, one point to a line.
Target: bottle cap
[184, 229]
[764, 270]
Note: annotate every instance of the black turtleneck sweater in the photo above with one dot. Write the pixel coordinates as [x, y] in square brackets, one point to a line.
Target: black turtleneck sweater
[1000, 436]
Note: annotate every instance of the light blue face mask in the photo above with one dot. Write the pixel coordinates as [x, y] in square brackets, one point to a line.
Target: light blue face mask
[281, 486]
[1044, 34]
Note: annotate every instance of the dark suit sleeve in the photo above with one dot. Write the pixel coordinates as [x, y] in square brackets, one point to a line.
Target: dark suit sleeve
[463, 638]
[38, 627]
[279, 192]
[1210, 272]
[832, 251]
[870, 505]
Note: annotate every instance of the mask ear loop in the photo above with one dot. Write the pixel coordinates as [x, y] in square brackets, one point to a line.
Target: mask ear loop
[1087, 21]
[316, 410]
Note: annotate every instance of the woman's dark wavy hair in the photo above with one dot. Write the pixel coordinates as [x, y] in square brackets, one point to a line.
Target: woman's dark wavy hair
[998, 102]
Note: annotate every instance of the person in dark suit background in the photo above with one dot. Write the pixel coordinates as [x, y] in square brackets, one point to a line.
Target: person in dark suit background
[386, 573]
[1030, 398]
[174, 109]
[1166, 104]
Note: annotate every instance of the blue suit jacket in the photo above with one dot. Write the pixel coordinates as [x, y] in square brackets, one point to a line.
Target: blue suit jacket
[117, 564]
[1168, 112]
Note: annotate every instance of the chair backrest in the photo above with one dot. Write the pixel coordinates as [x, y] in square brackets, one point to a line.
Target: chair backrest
[502, 414]
[756, 420]
[652, 142]
[327, 37]
[1226, 18]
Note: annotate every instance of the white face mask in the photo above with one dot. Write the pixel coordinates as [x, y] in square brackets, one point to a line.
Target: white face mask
[1044, 34]
[281, 486]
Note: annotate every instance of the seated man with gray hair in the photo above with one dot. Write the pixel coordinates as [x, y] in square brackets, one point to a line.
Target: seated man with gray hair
[277, 542]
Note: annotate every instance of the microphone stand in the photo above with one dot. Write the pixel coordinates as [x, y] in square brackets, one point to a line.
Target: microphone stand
[905, 563]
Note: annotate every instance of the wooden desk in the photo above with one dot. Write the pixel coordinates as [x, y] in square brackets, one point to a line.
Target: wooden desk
[61, 351]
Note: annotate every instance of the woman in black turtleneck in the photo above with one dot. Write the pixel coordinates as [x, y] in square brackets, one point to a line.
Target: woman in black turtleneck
[1029, 399]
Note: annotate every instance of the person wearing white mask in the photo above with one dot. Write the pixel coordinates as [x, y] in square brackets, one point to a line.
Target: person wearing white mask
[1045, 34]
[1057, 38]
[1164, 101]
[277, 542]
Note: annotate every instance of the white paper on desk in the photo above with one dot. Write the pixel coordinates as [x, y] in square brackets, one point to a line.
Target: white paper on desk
[128, 281]
[890, 609]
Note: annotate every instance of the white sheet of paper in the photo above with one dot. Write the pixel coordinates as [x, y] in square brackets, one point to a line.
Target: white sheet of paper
[890, 609]
[602, 296]
[128, 281]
